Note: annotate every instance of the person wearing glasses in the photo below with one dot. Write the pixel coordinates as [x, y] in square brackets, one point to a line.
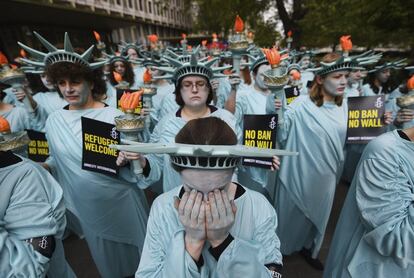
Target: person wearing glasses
[193, 94]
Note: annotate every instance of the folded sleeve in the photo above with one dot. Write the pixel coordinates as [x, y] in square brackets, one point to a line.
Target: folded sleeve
[18, 258]
[385, 198]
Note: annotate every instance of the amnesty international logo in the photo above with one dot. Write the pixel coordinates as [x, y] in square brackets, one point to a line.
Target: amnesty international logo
[379, 103]
[272, 123]
[114, 133]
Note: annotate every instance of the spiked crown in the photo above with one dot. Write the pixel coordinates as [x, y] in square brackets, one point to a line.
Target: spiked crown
[202, 156]
[124, 46]
[184, 65]
[389, 65]
[41, 60]
[348, 63]
[257, 57]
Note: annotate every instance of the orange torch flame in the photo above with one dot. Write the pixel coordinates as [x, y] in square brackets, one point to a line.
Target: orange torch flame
[295, 74]
[272, 56]
[130, 101]
[4, 125]
[238, 24]
[97, 36]
[153, 38]
[147, 77]
[346, 43]
[117, 76]
[23, 53]
[410, 83]
[3, 59]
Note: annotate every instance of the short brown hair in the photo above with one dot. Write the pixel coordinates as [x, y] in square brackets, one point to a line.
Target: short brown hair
[316, 94]
[205, 131]
[179, 99]
[73, 71]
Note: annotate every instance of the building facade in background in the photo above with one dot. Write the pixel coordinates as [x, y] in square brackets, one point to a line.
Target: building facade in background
[115, 20]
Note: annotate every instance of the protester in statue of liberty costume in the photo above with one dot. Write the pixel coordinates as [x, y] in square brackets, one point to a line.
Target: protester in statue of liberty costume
[252, 100]
[43, 102]
[375, 231]
[404, 117]
[163, 86]
[210, 226]
[112, 211]
[32, 221]
[377, 85]
[118, 65]
[353, 87]
[193, 94]
[17, 117]
[306, 76]
[315, 126]
[379, 82]
[226, 88]
[133, 52]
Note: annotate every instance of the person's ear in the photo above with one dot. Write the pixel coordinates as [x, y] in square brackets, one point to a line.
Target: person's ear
[319, 80]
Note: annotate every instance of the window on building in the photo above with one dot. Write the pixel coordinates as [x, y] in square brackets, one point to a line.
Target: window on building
[150, 7]
[140, 5]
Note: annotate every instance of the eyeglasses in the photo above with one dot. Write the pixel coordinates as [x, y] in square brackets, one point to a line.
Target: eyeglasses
[187, 85]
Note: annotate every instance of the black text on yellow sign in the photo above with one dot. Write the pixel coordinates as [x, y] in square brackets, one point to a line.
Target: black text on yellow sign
[364, 118]
[258, 138]
[38, 147]
[98, 144]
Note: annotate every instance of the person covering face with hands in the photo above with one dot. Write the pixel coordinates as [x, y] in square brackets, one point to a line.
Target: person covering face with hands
[210, 226]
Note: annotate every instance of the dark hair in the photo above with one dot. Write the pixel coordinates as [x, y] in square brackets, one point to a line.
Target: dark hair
[73, 71]
[2, 88]
[386, 87]
[35, 83]
[316, 94]
[129, 75]
[125, 51]
[179, 99]
[205, 131]
[247, 78]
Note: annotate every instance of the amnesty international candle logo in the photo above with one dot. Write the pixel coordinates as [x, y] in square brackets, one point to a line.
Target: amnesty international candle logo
[38, 148]
[96, 138]
[365, 118]
[259, 131]
[291, 93]
[119, 94]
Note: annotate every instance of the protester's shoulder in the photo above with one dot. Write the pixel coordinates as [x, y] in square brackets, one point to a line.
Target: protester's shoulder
[113, 111]
[165, 202]
[244, 91]
[54, 115]
[223, 112]
[261, 204]
[34, 179]
[298, 103]
[384, 147]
